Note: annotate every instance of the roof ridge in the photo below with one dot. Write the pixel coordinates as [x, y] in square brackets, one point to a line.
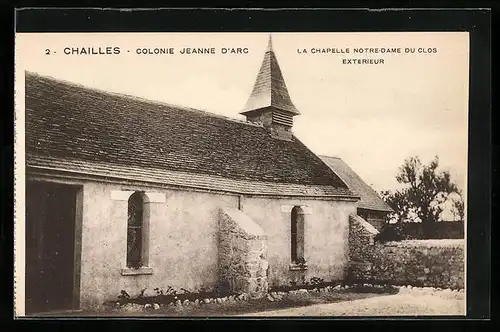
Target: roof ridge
[143, 99]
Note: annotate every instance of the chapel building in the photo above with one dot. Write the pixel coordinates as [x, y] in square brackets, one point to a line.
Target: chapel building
[128, 194]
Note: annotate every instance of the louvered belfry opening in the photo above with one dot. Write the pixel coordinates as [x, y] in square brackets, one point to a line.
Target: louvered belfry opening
[269, 103]
[282, 118]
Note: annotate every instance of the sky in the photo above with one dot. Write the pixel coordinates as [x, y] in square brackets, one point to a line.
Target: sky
[371, 116]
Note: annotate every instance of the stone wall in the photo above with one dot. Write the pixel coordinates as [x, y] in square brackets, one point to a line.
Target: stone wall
[243, 265]
[422, 263]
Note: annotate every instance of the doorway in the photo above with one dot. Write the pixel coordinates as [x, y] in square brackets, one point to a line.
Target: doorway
[52, 273]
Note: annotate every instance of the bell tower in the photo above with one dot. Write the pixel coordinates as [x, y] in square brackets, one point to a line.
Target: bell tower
[269, 103]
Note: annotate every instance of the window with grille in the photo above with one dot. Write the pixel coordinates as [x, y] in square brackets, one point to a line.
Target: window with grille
[135, 230]
[297, 235]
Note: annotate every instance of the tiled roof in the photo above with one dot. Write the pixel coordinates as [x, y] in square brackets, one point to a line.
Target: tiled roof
[65, 122]
[369, 197]
[270, 88]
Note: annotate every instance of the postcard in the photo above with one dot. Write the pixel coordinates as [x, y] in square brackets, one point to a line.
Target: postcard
[241, 174]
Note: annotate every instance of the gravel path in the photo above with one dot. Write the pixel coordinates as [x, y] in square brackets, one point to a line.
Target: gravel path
[392, 305]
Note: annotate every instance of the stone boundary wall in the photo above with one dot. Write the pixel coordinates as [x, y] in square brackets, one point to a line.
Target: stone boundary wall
[421, 263]
[243, 265]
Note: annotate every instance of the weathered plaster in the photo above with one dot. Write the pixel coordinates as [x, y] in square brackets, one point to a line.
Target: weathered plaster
[183, 239]
[182, 242]
[326, 237]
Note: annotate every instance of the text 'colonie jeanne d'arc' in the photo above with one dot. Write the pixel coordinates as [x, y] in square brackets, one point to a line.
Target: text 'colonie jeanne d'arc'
[115, 50]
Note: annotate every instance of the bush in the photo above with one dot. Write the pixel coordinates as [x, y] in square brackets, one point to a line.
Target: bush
[314, 282]
[414, 231]
[390, 232]
[169, 295]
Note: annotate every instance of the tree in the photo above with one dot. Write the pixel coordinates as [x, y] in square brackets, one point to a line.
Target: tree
[425, 190]
[458, 207]
[399, 203]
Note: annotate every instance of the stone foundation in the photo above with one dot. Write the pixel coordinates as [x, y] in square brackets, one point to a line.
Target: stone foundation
[243, 265]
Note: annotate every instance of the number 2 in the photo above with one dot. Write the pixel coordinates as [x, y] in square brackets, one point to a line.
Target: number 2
[47, 51]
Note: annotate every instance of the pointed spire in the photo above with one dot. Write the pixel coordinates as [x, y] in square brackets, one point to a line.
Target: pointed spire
[270, 44]
[270, 88]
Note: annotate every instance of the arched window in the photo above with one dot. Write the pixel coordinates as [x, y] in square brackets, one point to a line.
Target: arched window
[297, 235]
[135, 231]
